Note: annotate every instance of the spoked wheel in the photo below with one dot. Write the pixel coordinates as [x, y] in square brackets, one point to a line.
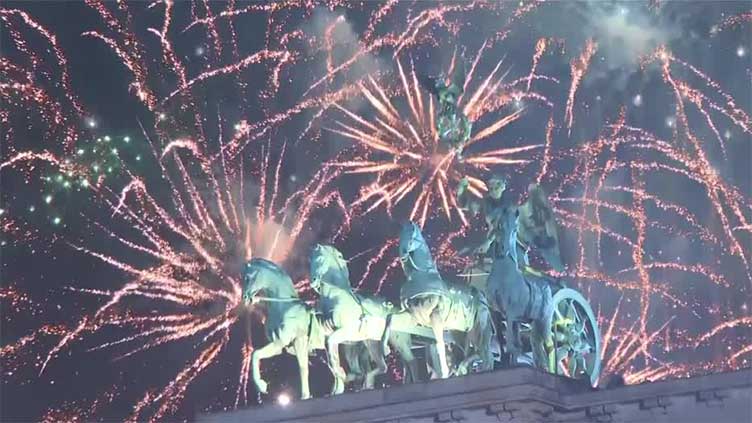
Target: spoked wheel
[577, 339]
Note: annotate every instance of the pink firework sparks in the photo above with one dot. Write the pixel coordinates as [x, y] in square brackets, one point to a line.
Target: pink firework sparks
[579, 67]
[182, 279]
[416, 168]
[644, 275]
[732, 22]
[172, 237]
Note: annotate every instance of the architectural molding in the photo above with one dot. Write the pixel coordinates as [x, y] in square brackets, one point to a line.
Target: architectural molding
[522, 395]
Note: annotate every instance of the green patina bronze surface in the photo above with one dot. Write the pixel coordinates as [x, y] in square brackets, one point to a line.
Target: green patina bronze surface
[546, 324]
[453, 127]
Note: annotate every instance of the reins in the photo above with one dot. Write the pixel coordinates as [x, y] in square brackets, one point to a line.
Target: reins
[275, 300]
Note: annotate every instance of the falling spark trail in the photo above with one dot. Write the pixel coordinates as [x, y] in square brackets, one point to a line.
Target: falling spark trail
[230, 69]
[579, 67]
[540, 48]
[173, 228]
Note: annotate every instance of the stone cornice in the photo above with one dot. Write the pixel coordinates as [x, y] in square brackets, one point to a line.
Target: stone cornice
[503, 394]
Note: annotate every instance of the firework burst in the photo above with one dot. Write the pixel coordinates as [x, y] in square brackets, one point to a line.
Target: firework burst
[199, 284]
[415, 167]
[623, 205]
[128, 266]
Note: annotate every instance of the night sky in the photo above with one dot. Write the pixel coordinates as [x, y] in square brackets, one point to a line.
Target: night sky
[52, 283]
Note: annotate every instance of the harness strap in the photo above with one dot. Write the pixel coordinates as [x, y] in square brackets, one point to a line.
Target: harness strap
[534, 272]
[363, 311]
[527, 268]
[310, 325]
[531, 301]
[276, 300]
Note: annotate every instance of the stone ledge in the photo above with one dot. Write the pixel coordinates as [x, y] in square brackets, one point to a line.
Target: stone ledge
[521, 395]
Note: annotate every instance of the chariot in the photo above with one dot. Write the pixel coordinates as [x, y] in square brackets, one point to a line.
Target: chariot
[574, 327]
[545, 323]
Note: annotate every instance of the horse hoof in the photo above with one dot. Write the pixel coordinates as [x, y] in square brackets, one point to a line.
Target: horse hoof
[262, 387]
[338, 388]
[386, 350]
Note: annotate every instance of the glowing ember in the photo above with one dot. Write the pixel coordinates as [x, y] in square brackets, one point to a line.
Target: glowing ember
[283, 400]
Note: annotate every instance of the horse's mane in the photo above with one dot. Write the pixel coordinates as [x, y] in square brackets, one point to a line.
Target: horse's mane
[322, 254]
[502, 216]
[269, 266]
[411, 233]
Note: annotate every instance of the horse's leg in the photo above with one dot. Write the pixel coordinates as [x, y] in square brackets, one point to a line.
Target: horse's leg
[464, 356]
[542, 344]
[511, 341]
[332, 348]
[268, 350]
[464, 367]
[387, 333]
[353, 354]
[537, 341]
[432, 361]
[402, 342]
[479, 338]
[548, 347]
[438, 332]
[379, 369]
[301, 353]
[484, 338]
[401, 322]
[401, 339]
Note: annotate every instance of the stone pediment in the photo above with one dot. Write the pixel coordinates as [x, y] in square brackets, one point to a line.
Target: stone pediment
[522, 395]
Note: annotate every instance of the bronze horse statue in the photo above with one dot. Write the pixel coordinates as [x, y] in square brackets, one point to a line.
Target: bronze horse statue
[354, 317]
[430, 301]
[521, 297]
[293, 326]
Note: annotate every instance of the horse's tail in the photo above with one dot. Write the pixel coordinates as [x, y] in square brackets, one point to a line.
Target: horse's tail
[483, 306]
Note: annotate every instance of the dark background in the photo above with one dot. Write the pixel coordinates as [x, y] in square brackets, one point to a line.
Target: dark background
[43, 269]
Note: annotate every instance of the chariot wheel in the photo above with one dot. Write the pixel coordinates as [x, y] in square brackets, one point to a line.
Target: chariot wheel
[577, 339]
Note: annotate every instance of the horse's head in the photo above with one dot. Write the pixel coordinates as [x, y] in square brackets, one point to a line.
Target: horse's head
[263, 275]
[505, 221]
[413, 248]
[410, 240]
[323, 259]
